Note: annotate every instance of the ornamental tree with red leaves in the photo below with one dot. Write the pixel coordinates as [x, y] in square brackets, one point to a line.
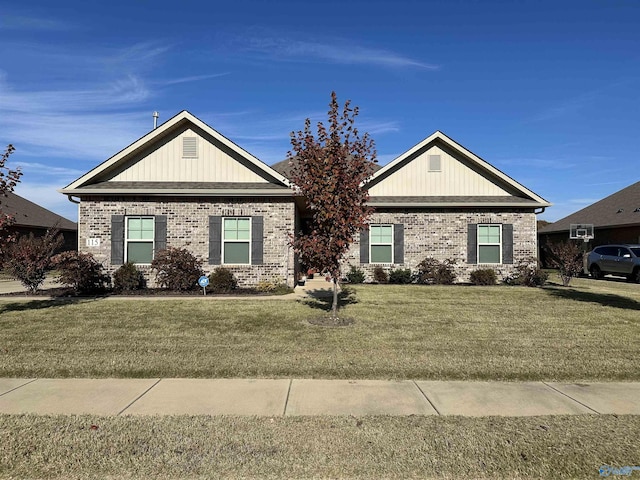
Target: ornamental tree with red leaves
[328, 169]
[8, 180]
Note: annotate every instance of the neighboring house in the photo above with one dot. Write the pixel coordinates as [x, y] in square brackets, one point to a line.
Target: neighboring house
[185, 185]
[32, 218]
[616, 219]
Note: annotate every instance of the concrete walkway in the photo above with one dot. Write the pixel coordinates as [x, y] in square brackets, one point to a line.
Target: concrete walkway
[298, 397]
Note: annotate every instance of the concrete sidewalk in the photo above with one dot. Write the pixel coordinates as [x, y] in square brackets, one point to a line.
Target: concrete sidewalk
[298, 397]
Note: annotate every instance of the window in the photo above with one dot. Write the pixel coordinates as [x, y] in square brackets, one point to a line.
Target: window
[435, 163]
[381, 243]
[236, 241]
[489, 243]
[189, 147]
[139, 239]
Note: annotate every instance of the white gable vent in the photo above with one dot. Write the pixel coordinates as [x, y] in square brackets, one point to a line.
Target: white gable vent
[189, 147]
[435, 163]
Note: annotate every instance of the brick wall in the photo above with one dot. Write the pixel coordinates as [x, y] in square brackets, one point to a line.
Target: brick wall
[442, 234]
[188, 227]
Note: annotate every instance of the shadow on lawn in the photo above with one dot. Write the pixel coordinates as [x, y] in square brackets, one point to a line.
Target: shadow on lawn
[604, 299]
[42, 304]
[323, 302]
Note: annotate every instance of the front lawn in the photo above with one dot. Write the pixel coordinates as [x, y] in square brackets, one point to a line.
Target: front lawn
[83, 447]
[586, 332]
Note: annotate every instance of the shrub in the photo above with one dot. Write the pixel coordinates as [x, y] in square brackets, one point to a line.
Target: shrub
[222, 280]
[567, 258]
[435, 272]
[379, 275]
[355, 275]
[276, 287]
[81, 271]
[177, 269]
[527, 274]
[400, 276]
[127, 278]
[29, 258]
[484, 276]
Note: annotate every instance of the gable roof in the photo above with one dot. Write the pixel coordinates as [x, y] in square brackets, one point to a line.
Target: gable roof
[96, 181]
[618, 209]
[507, 191]
[284, 167]
[29, 214]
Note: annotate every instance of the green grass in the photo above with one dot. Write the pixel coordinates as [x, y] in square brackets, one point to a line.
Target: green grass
[586, 332]
[315, 447]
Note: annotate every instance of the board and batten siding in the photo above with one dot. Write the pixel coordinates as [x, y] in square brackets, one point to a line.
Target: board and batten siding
[166, 164]
[454, 178]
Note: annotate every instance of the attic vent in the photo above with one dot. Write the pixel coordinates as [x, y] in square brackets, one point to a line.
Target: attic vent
[189, 147]
[435, 163]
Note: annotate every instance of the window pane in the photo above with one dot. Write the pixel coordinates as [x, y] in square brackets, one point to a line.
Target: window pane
[230, 228]
[489, 234]
[381, 234]
[380, 253]
[489, 254]
[134, 223]
[236, 252]
[243, 228]
[139, 252]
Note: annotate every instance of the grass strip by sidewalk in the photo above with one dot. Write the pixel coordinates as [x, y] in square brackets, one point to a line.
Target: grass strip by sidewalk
[587, 332]
[316, 447]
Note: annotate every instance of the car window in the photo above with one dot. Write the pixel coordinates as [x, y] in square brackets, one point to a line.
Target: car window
[624, 251]
[636, 251]
[612, 251]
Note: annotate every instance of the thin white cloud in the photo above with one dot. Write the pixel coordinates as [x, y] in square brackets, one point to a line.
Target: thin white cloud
[194, 78]
[29, 23]
[544, 163]
[342, 51]
[49, 170]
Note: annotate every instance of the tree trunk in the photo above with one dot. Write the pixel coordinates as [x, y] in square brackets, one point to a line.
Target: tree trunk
[334, 307]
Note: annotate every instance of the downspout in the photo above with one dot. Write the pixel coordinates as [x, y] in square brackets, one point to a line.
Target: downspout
[70, 198]
[77, 202]
[541, 211]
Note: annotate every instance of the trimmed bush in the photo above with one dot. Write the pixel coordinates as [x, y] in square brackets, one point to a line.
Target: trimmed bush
[355, 275]
[401, 276]
[81, 271]
[222, 280]
[484, 276]
[276, 287]
[127, 278]
[379, 275]
[435, 272]
[528, 274]
[177, 269]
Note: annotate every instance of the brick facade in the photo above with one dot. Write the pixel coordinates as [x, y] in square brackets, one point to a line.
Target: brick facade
[442, 234]
[188, 227]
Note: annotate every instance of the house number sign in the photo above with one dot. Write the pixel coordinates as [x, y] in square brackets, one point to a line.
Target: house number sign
[93, 242]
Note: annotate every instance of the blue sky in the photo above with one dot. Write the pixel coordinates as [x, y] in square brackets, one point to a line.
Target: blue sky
[546, 91]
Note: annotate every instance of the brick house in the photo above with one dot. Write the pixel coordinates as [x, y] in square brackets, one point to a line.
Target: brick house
[185, 185]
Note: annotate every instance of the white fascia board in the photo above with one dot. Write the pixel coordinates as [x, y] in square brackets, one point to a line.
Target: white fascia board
[158, 132]
[472, 156]
[191, 192]
[459, 205]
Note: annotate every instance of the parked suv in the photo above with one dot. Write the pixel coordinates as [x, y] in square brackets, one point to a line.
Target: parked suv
[623, 260]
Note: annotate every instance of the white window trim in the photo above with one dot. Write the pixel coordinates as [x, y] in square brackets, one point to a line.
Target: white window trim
[127, 240]
[371, 244]
[222, 262]
[438, 170]
[491, 244]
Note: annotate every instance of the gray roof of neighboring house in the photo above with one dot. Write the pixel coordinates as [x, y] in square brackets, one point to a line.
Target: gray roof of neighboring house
[29, 214]
[619, 209]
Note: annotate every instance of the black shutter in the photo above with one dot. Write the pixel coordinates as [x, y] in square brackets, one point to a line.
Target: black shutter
[398, 243]
[364, 246]
[215, 240]
[507, 243]
[472, 243]
[117, 239]
[160, 234]
[257, 241]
